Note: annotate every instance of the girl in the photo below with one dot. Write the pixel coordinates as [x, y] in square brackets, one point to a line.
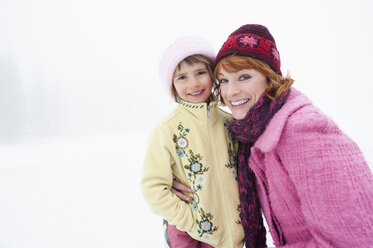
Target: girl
[314, 186]
[192, 143]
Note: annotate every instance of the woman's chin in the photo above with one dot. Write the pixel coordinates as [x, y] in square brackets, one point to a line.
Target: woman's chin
[238, 115]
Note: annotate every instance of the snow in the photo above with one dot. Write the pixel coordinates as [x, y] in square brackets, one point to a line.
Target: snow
[75, 192]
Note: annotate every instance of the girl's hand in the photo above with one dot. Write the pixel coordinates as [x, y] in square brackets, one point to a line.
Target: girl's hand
[177, 189]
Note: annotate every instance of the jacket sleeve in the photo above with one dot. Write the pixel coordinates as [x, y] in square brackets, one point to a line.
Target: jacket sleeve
[156, 183]
[332, 179]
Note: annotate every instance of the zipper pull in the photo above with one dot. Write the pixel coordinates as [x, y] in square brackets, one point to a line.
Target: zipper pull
[208, 112]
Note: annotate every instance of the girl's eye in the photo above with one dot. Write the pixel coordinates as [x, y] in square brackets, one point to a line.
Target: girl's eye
[244, 77]
[221, 81]
[181, 78]
[201, 73]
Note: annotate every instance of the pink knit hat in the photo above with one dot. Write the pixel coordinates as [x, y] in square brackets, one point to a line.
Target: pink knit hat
[179, 50]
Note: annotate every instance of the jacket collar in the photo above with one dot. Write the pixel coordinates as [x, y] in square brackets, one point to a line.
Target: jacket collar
[199, 111]
[269, 139]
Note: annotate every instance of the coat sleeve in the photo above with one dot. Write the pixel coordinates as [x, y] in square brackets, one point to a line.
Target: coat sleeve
[156, 183]
[333, 182]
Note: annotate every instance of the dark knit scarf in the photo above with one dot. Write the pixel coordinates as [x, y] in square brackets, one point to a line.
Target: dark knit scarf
[247, 131]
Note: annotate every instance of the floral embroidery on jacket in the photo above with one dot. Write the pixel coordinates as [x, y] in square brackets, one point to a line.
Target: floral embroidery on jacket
[232, 164]
[195, 173]
[232, 158]
[239, 214]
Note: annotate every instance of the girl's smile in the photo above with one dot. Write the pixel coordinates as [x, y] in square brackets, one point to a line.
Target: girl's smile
[198, 93]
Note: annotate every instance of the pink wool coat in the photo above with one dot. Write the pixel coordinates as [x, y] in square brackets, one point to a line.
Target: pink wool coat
[315, 188]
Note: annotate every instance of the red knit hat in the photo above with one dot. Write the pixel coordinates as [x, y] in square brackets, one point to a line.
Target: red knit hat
[252, 40]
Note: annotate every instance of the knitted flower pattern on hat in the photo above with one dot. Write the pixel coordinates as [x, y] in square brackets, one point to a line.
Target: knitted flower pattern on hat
[249, 40]
[255, 41]
[275, 53]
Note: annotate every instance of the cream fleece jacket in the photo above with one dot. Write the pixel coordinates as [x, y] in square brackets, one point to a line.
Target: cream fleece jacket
[193, 144]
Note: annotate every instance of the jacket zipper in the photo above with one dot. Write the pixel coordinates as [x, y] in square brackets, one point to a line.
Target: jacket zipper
[219, 185]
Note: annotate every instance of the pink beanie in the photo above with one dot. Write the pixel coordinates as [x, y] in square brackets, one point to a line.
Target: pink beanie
[179, 50]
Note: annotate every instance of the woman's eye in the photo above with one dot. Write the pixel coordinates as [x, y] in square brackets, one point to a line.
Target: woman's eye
[221, 81]
[201, 73]
[244, 77]
[181, 78]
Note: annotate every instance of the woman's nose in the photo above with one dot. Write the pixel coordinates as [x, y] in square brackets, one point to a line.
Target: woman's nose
[232, 90]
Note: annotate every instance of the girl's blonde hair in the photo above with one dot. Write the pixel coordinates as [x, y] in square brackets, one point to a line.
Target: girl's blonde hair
[276, 84]
[194, 59]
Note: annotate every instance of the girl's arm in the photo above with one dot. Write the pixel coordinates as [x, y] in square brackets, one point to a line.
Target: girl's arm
[333, 182]
[156, 185]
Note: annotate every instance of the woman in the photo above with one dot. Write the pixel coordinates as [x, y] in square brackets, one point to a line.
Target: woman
[314, 186]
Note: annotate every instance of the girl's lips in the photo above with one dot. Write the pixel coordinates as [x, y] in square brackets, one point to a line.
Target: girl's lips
[196, 93]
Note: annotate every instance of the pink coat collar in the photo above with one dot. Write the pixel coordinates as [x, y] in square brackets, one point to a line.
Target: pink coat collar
[269, 139]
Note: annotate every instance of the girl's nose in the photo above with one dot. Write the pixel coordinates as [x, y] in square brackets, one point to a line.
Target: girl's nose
[195, 82]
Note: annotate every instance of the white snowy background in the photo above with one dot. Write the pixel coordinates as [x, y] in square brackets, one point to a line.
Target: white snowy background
[79, 95]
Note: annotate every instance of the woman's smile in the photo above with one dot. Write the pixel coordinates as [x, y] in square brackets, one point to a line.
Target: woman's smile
[239, 103]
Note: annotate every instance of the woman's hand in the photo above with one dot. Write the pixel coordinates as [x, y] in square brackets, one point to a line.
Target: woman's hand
[177, 189]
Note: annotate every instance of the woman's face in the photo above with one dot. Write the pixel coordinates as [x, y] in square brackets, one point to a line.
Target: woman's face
[241, 90]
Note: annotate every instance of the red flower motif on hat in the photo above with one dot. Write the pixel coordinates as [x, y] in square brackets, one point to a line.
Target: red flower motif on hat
[249, 40]
[275, 54]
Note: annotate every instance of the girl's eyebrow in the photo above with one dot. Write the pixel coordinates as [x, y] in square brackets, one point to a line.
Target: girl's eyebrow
[200, 69]
[180, 74]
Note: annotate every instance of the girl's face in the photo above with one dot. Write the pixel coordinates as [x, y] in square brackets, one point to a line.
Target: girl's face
[241, 90]
[193, 82]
